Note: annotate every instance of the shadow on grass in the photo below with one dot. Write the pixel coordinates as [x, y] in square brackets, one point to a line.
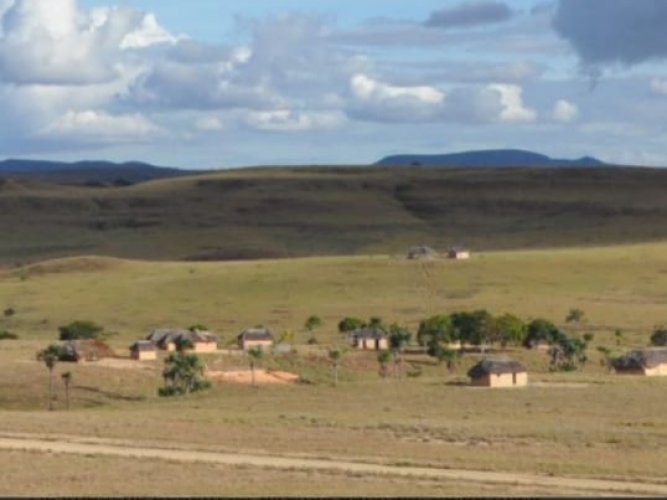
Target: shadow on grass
[108, 394]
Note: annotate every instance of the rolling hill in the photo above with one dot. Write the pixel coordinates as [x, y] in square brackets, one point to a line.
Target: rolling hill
[285, 212]
[487, 158]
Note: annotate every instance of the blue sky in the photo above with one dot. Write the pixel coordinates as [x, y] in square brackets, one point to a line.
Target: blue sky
[213, 83]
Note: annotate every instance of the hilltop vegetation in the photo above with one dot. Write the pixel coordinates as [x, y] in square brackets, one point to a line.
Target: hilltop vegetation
[283, 212]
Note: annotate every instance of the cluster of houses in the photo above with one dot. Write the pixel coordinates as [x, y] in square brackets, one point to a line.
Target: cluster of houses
[426, 252]
[498, 371]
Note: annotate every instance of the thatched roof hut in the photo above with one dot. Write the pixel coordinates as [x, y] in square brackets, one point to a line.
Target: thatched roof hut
[498, 372]
[255, 337]
[651, 361]
[421, 252]
[168, 338]
[87, 350]
[370, 337]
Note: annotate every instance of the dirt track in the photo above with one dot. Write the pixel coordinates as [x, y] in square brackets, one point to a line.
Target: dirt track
[110, 447]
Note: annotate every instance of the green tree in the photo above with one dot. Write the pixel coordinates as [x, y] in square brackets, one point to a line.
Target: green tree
[384, 357]
[183, 374]
[511, 330]
[312, 323]
[444, 355]
[575, 316]
[475, 328]
[568, 353]
[254, 357]
[435, 329]
[541, 330]
[399, 338]
[80, 330]
[50, 356]
[376, 322]
[350, 324]
[607, 359]
[659, 337]
[67, 380]
[335, 357]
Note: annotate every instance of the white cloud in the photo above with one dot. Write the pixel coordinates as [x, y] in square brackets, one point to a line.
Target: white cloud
[659, 86]
[209, 124]
[293, 121]
[367, 88]
[511, 99]
[149, 33]
[565, 111]
[99, 126]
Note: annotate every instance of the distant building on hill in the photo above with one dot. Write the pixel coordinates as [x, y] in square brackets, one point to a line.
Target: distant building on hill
[649, 362]
[255, 337]
[370, 338]
[421, 252]
[143, 350]
[168, 339]
[498, 372]
[458, 253]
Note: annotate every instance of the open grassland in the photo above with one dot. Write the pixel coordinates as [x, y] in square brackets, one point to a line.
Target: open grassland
[286, 212]
[583, 424]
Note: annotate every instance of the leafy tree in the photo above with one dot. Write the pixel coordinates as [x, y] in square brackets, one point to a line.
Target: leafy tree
[399, 338]
[588, 337]
[476, 328]
[511, 330]
[444, 355]
[659, 337]
[183, 374]
[384, 357]
[436, 329]
[607, 358]
[67, 380]
[80, 330]
[568, 353]
[575, 316]
[376, 322]
[50, 356]
[541, 330]
[254, 356]
[335, 357]
[350, 324]
[312, 323]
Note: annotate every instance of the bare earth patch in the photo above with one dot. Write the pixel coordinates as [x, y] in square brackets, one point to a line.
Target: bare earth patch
[245, 376]
[120, 364]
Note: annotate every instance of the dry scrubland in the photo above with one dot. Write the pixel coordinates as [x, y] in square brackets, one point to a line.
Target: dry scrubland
[584, 424]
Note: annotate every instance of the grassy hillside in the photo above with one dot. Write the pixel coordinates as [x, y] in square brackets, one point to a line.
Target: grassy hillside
[280, 212]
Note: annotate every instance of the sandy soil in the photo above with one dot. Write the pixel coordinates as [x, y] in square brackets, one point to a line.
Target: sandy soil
[93, 446]
[121, 364]
[245, 376]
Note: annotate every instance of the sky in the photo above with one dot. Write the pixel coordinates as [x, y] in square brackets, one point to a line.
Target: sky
[228, 83]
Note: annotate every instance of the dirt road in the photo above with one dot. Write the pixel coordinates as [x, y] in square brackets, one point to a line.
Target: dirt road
[110, 447]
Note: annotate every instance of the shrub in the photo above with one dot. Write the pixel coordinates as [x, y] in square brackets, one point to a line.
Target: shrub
[5, 335]
[9, 312]
[350, 324]
[659, 337]
[312, 341]
[80, 330]
[312, 323]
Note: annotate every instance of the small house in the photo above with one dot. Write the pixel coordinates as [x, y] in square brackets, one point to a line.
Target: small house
[74, 351]
[255, 337]
[458, 253]
[498, 372]
[202, 341]
[421, 252]
[648, 362]
[370, 339]
[165, 338]
[143, 350]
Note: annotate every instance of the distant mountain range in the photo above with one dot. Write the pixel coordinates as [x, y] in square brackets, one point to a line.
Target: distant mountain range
[487, 158]
[89, 172]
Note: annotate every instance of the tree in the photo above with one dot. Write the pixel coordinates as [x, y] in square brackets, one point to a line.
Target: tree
[376, 322]
[183, 344]
[50, 356]
[476, 328]
[384, 357]
[568, 353]
[511, 330]
[9, 312]
[312, 323]
[335, 357]
[659, 337]
[182, 375]
[67, 380]
[435, 329]
[350, 324]
[444, 355]
[541, 330]
[254, 356]
[575, 316]
[607, 358]
[399, 338]
[80, 330]
[619, 336]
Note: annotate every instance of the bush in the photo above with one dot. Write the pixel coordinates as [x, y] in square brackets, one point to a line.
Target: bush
[80, 330]
[9, 312]
[5, 335]
[659, 337]
[350, 324]
[312, 341]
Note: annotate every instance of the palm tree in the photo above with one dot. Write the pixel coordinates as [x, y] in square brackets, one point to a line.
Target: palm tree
[50, 356]
[335, 356]
[383, 358]
[67, 379]
[254, 355]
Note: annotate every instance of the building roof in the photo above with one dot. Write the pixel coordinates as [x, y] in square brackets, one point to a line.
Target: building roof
[163, 336]
[421, 251]
[369, 332]
[496, 366]
[641, 359]
[143, 345]
[256, 334]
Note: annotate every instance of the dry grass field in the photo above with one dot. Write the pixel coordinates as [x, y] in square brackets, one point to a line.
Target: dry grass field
[585, 424]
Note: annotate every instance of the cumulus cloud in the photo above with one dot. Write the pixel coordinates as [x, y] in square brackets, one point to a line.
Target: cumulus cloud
[367, 88]
[513, 108]
[294, 121]
[100, 126]
[564, 111]
[470, 14]
[659, 86]
[607, 32]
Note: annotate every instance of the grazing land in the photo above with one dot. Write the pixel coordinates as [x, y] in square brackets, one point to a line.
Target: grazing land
[588, 424]
[294, 212]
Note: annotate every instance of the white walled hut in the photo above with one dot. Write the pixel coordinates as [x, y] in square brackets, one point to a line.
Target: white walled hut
[143, 350]
[649, 362]
[255, 337]
[498, 372]
[370, 339]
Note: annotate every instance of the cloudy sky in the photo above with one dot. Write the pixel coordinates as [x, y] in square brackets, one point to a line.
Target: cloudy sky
[216, 83]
